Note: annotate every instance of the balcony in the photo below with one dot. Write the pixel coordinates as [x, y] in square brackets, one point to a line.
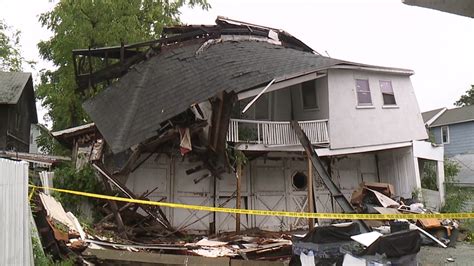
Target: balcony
[276, 132]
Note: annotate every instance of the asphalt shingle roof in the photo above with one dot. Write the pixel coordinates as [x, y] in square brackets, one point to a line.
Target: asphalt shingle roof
[430, 114]
[11, 86]
[456, 115]
[132, 109]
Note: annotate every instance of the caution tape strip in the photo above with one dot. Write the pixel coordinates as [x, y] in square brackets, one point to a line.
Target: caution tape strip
[348, 216]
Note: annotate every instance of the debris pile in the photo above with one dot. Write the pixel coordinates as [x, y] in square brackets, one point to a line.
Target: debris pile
[380, 198]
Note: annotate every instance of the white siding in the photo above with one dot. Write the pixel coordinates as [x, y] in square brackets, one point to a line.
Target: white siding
[397, 167]
[350, 126]
[15, 237]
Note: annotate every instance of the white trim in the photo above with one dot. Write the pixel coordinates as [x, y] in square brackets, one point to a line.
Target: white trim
[322, 151]
[282, 82]
[258, 95]
[381, 93]
[375, 68]
[365, 107]
[356, 78]
[72, 129]
[436, 116]
[447, 131]
[329, 152]
[390, 106]
[453, 123]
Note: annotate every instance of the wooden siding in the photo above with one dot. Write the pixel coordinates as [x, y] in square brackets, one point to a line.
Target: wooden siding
[461, 138]
[13, 136]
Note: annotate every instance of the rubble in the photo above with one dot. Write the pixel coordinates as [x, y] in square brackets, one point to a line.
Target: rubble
[393, 242]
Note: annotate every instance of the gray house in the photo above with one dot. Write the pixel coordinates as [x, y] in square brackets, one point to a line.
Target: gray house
[454, 129]
[17, 110]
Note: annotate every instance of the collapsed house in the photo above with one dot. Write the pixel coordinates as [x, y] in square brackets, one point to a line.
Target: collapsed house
[183, 114]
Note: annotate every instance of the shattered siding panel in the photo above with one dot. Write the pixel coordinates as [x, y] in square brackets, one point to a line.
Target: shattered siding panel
[15, 237]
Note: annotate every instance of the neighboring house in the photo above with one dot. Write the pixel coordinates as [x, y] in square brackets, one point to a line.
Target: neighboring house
[17, 110]
[190, 94]
[454, 129]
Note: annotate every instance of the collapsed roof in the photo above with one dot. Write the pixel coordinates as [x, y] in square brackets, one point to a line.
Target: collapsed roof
[191, 67]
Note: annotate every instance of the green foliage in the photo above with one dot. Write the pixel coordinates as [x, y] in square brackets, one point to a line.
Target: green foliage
[466, 99]
[42, 259]
[10, 56]
[50, 145]
[456, 196]
[85, 180]
[468, 225]
[38, 254]
[87, 23]
[429, 178]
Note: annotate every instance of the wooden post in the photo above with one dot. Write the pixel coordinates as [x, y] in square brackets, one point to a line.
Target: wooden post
[115, 210]
[310, 194]
[237, 200]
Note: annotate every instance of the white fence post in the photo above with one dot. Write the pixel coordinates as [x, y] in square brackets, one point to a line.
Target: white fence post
[15, 238]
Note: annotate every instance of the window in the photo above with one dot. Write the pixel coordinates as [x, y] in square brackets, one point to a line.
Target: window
[363, 92]
[310, 97]
[300, 181]
[262, 107]
[387, 93]
[445, 134]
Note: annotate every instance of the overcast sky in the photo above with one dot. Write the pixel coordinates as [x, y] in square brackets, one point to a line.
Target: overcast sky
[438, 46]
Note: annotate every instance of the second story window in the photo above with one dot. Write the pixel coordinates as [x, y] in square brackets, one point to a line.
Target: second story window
[445, 135]
[363, 92]
[387, 92]
[262, 107]
[310, 97]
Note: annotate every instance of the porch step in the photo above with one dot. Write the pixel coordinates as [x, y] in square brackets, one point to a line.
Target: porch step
[324, 175]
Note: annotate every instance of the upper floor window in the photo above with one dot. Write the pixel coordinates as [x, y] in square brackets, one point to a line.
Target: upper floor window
[363, 92]
[262, 107]
[445, 134]
[387, 92]
[310, 97]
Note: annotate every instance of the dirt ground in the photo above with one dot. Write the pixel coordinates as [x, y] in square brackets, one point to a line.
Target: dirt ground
[462, 254]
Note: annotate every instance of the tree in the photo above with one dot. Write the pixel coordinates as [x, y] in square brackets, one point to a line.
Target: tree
[466, 99]
[88, 23]
[10, 57]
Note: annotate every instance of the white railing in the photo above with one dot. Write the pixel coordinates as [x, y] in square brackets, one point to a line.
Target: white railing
[276, 132]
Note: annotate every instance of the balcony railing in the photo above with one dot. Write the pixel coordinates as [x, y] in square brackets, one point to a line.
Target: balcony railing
[276, 132]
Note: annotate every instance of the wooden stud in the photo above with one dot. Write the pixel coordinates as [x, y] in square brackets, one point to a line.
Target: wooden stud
[310, 193]
[237, 200]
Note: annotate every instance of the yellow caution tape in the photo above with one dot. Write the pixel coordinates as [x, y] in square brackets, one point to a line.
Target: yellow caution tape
[348, 216]
[32, 192]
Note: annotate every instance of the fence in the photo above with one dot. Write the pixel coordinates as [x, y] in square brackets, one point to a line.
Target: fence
[276, 132]
[15, 236]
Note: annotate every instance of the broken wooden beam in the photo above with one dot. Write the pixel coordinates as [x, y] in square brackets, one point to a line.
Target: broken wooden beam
[310, 194]
[160, 216]
[335, 192]
[237, 200]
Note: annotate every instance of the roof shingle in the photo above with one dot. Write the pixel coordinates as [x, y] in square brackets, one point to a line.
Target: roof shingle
[11, 86]
[454, 116]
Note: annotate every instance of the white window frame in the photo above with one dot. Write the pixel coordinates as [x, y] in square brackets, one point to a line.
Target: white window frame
[363, 105]
[381, 92]
[315, 93]
[447, 135]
